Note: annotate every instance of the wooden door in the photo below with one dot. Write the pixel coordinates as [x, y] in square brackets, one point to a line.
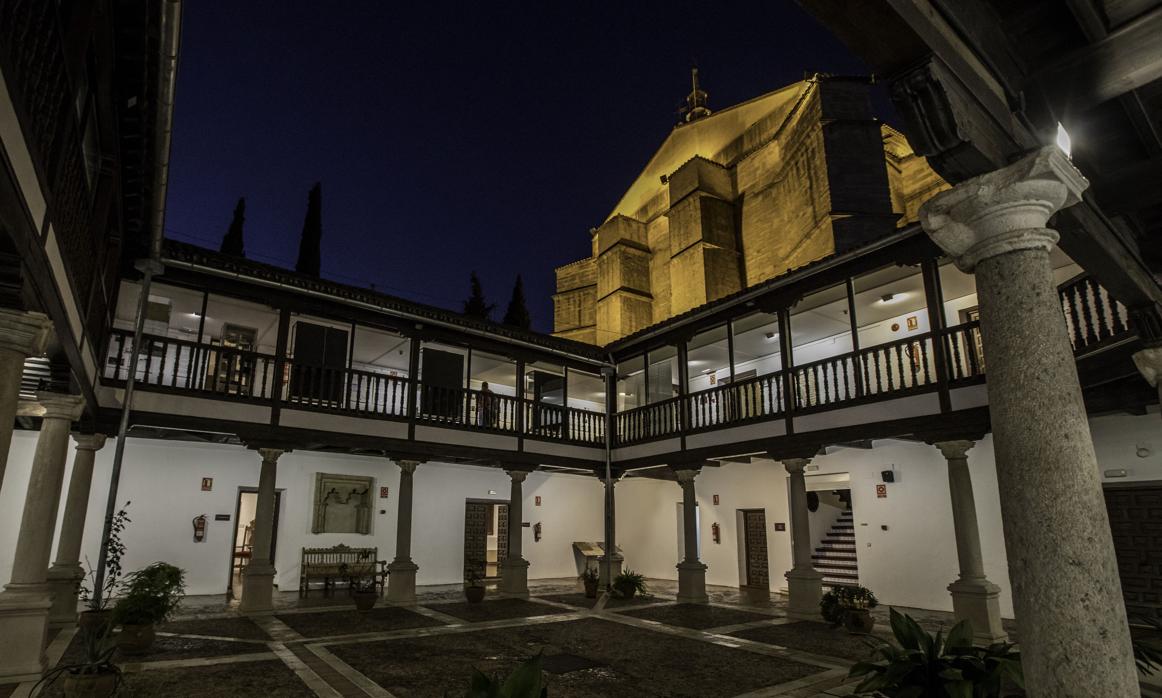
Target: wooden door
[755, 536]
[501, 533]
[320, 361]
[475, 537]
[1136, 525]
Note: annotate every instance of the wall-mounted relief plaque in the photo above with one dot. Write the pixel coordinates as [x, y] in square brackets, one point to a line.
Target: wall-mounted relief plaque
[342, 504]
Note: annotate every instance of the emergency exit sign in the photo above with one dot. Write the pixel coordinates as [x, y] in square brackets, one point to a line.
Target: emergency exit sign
[881, 491]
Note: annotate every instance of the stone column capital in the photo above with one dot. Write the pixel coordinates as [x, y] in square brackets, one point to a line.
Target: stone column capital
[407, 467]
[517, 475]
[1149, 363]
[795, 466]
[24, 332]
[271, 454]
[955, 450]
[60, 406]
[1005, 210]
[686, 475]
[89, 442]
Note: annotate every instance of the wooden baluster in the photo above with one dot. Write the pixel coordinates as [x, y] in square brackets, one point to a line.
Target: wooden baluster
[954, 339]
[924, 359]
[1070, 299]
[1117, 325]
[1103, 329]
[1087, 315]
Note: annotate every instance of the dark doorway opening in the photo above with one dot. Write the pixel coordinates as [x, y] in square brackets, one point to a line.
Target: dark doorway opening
[242, 538]
[756, 568]
[485, 537]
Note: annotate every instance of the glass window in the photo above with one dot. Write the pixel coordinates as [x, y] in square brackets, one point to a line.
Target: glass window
[663, 380]
[959, 290]
[820, 327]
[890, 304]
[379, 362]
[631, 383]
[545, 382]
[756, 345]
[172, 312]
[708, 359]
[497, 372]
[586, 391]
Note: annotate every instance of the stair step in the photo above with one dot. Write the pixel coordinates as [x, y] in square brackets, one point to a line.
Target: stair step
[841, 576]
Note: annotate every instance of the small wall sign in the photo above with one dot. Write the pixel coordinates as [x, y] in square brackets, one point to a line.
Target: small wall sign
[881, 491]
[383, 490]
[715, 500]
[913, 323]
[780, 526]
[207, 484]
[221, 517]
[538, 502]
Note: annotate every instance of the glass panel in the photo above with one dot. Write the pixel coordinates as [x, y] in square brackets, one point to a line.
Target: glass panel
[545, 392]
[663, 382]
[708, 359]
[586, 391]
[493, 383]
[756, 345]
[234, 329]
[820, 327]
[959, 291]
[172, 312]
[631, 383]
[379, 363]
[889, 305]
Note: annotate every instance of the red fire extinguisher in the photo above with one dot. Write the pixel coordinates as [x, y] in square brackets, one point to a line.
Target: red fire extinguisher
[199, 528]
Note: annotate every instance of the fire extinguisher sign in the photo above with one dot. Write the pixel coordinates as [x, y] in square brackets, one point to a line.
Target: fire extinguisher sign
[881, 491]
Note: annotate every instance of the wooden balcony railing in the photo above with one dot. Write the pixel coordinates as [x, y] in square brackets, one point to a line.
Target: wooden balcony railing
[747, 400]
[965, 352]
[352, 390]
[1092, 316]
[649, 421]
[176, 364]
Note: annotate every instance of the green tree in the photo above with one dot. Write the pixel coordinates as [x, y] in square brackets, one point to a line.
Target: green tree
[310, 258]
[232, 241]
[517, 314]
[476, 306]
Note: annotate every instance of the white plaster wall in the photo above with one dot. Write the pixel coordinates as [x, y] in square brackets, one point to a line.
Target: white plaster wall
[163, 481]
[1117, 438]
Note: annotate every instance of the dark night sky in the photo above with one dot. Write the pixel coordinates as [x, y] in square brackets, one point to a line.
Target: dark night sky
[451, 137]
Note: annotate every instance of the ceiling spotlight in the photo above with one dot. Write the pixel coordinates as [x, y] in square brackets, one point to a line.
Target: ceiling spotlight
[771, 336]
[1063, 141]
[889, 298]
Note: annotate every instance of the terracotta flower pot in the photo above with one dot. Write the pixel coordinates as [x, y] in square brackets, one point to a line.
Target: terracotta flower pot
[135, 639]
[474, 594]
[365, 600]
[89, 685]
[858, 621]
[590, 590]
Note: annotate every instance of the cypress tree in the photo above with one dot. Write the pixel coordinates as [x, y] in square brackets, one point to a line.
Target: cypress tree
[476, 306]
[517, 314]
[232, 241]
[310, 258]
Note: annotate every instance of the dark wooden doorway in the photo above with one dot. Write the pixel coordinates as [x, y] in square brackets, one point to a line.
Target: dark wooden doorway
[483, 519]
[1136, 524]
[442, 381]
[320, 361]
[754, 526]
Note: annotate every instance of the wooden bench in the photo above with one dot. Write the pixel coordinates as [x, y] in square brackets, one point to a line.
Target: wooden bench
[337, 563]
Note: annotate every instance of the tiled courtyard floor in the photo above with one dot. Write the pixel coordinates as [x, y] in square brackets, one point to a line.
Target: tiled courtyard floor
[651, 646]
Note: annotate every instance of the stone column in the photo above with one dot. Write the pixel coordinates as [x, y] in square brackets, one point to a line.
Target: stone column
[1066, 592]
[22, 334]
[691, 571]
[514, 570]
[65, 575]
[608, 573]
[804, 583]
[26, 599]
[401, 583]
[258, 577]
[974, 597]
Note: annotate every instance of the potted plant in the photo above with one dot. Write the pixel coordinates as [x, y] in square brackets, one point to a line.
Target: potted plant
[363, 587]
[95, 676]
[849, 607]
[628, 583]
[97, 614]
[526, 681]
[919, 664]
[150, 596]
[590, 578]
[473, 584]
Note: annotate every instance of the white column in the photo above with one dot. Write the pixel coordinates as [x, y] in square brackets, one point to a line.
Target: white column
[258, 577]
[804, 583]
[1066, 591]
[974, 597]
[691, 571]
[26, 599]
[66, 573]
[22, 335]
[607, 573]
[514, 570]
[401, 582]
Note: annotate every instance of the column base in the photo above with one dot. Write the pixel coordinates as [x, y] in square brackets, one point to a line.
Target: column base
[692, 583]
[978, 602]
[23, 631]
[257, 589]
[64, 584]
[401, 581]
[606, 576]
[514, 577]
[804, 591]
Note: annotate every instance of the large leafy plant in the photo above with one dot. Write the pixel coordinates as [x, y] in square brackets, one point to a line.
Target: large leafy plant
[923, 665]
[629, 582]
[150, 595]
[98, 645]
[526, 681]
[835, 604]
[1148, 646]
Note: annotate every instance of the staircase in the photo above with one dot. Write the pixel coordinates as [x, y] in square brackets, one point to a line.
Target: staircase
[835, 558]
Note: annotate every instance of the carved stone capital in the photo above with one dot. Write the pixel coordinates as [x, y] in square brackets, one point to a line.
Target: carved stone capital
[1005, 210]
[24, 332]
[1149, 363]
[89, 442]
[517, 475]
[795, 466]
[686, 475]
[407, 467]
[955, 450]
[60, 406]
[271, 455]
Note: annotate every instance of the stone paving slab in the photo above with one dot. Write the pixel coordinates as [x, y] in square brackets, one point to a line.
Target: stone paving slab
[167, 648]
[581, 601]
[632, 662]
[263, 678]
[696, 616]
[351, 622]
[817, 638]
[242, 628]
[500, 609]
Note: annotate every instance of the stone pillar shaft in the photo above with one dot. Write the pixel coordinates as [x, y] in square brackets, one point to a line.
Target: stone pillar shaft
[258, 577]
[66, 572]
[1066, 590]
[691, 571]
[608, 573]
[804, 583]
[689, 519]
[401, 582]
[514, 570]
[22, 335]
